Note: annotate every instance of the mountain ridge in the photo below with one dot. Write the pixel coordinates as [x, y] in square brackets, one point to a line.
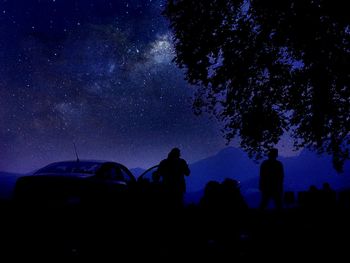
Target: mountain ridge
[301, 171]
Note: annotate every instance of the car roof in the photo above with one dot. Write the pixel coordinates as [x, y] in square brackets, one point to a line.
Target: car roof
[84, 167]
[81, 161]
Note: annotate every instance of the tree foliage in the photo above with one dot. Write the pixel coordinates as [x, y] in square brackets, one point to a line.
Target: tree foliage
[266, 67]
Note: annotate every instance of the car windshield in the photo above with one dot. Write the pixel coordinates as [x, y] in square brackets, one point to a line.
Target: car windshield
[70, 167]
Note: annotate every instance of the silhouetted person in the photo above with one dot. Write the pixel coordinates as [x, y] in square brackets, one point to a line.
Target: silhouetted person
[223, 211]
[173, 171]
[271, 180]
[234, 211]
[210, 205]
[232, 197]
[211, 200]
[289, 198]
[313, 196]
[328, 195]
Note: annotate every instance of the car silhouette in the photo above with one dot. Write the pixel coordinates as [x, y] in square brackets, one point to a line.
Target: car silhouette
[149, 175]
[74, 183]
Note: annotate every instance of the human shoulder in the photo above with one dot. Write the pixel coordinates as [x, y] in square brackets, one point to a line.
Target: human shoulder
[265, 162]
[279, 162]
[183, 160]
[163, 162]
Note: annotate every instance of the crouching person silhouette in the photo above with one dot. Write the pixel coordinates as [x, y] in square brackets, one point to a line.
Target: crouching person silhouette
[172, 171]
[271, 180]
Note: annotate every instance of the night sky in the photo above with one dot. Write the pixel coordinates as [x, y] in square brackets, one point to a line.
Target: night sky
[98, 73]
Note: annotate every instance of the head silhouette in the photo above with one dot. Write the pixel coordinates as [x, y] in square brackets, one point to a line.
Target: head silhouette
[273, 154]
[174, 153]
[230, 183]
[326, 186]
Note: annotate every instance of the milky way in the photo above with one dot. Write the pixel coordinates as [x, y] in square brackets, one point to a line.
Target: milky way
[97, 73]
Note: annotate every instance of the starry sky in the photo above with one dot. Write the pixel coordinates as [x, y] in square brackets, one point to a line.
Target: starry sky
[99, 74]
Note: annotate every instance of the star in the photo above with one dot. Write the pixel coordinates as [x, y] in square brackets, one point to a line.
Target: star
[85, 71]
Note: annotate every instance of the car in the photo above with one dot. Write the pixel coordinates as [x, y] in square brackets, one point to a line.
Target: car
[149, 175]
[74, 183]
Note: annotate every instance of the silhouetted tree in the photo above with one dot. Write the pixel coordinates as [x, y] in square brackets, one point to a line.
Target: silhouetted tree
[265, 67]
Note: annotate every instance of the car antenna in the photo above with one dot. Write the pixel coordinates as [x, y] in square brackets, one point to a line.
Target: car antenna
[76, 153]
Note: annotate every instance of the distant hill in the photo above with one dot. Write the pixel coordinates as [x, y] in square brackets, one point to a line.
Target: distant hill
[309, 168]
[230, 162]
[300, 172]
[137, 171]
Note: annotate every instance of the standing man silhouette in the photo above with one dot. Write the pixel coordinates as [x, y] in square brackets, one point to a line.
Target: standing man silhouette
[173, 171]
[271, 180]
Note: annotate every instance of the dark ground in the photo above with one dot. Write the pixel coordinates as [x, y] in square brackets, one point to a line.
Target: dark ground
[109, 234]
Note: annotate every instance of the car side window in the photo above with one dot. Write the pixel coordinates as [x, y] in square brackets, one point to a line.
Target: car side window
[150, 175]
[113, 172]
[105, 172]
[116, 174]
[125, 174]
